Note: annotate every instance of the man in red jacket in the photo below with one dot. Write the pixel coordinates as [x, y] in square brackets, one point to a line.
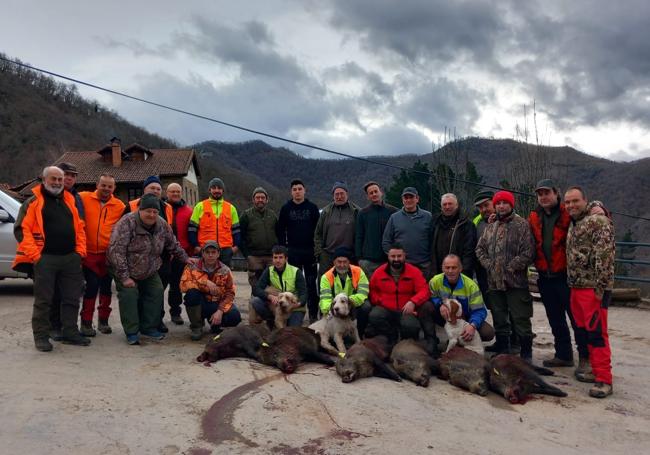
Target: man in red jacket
[397, 291]
[180, 222]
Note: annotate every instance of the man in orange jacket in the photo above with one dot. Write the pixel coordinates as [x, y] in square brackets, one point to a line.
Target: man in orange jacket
[102, 211]
[52, 242]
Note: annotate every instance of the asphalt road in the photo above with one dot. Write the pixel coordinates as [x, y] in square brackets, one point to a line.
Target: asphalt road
[111, 398]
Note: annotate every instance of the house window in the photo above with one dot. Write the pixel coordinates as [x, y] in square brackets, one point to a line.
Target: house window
[134, 193]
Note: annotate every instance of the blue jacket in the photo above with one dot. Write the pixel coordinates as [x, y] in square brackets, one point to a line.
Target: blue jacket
[466, 292]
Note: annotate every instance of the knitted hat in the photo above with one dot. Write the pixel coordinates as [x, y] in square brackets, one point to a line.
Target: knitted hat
[505, 196]
[341, 185]
[343, 252]
[260, 189]
[149, 201]
[151, 179]
[217, 182]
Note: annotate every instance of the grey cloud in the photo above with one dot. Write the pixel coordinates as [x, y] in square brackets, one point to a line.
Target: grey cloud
[440, 103]
[423, 29]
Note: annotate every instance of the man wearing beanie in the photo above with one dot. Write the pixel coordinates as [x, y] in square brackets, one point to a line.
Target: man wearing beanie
[346, 278]
[335, 227]
[137, 243]
[215, 219]
[152, 185]
[258, 237]
[505, 250]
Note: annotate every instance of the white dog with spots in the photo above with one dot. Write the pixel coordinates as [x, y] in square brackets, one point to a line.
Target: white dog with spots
[337, 324]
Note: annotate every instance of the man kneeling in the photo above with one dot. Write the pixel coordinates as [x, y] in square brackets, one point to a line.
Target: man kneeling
[279, 277]
[397, 290]
[209, 293]
[453, 284]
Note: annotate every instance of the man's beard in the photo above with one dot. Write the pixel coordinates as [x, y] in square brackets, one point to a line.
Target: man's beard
[341, 271]
[53, 190]
[397, 265]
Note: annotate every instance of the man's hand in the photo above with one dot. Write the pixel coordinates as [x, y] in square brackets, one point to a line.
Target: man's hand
[492, 218]
[128, 283]
[212, 287]
[235, 249]
[273, 300]
[444, 312]
[409, 308]
[597, 210]
[468, 333]
[216, 317]
[197, 250]
[192, 261]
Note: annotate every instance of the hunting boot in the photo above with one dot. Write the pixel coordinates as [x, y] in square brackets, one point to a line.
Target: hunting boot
[87, 329]
[103, 327]
[196, 322]
[501, 346]
[601, 390]
[515, 344]
[583, 373]
[42, 344]
[430, 338]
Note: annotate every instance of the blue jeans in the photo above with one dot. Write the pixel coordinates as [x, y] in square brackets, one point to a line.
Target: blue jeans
[194, 297]
[262, 309]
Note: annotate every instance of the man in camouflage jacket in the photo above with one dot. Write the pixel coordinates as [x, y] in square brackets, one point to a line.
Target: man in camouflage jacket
[590, 250]
[505, 250]
[134, 251]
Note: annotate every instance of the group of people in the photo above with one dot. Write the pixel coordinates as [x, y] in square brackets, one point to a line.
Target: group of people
[396, 266]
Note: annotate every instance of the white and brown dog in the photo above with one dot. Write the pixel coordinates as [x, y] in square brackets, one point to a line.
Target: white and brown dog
[287, 302]
[455, 326]
[338, 324]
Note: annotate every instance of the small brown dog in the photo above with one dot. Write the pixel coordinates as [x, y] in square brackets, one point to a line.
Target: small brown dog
[455, 326]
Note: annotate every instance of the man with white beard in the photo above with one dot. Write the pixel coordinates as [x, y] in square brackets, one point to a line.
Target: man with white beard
[51, 243]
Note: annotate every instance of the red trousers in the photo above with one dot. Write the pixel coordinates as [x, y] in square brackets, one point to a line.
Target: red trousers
[591, 315]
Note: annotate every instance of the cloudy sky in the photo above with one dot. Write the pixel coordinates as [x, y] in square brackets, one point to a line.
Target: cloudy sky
[359, 76]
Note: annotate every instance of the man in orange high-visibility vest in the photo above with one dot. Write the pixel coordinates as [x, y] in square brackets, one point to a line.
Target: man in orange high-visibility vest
[215, 219]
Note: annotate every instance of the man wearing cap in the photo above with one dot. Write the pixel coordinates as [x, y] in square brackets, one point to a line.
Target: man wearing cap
[453, 233]
[69, 181]
[137, 243]
[102, 210]
[279, 277]
[369, 232]
[590, 251]
[258, 235]
[346, 278]
[181, 213]
[296, 226]
[215, 219]
[411, 228]
[505, 250]
[51, 243]
[397, 292]
[335, 227]
[549, 223]
[483, 202]
[209, 293]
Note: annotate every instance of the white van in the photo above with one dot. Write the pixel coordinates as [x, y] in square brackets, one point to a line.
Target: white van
[8, 213]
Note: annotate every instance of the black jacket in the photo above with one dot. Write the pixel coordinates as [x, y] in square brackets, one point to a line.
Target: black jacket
[455, 235]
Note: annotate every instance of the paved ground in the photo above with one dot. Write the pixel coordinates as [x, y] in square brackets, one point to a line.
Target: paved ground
[111, 398]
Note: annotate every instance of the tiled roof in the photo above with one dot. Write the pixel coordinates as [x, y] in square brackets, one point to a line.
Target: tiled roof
[162, 162]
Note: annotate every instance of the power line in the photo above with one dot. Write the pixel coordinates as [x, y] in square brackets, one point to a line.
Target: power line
[271, 136]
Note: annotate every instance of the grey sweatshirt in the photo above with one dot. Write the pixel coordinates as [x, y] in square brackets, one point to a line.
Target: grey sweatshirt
[413, 232]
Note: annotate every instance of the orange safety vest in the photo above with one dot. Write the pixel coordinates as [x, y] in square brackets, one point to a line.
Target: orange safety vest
[100, 220]
[169, 212]
[213, 228]
[30, 246]
[356, 274]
